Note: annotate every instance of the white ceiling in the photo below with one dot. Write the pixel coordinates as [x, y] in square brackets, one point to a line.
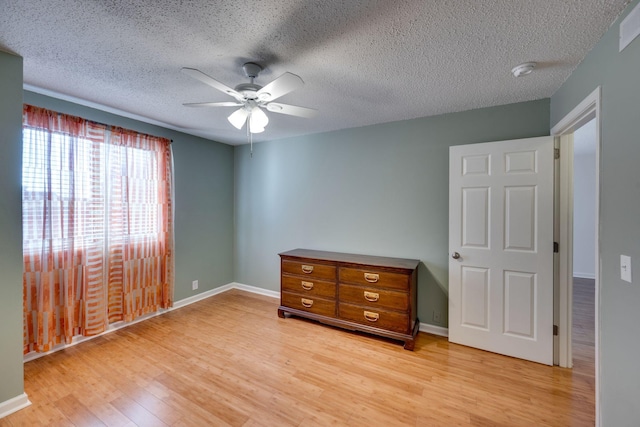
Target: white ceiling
[363, 61]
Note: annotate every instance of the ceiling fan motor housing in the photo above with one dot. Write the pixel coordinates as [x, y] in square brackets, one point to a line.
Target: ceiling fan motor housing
[248, 90]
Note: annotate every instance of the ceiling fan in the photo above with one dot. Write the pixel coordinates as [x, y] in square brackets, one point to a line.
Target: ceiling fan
[252, 98]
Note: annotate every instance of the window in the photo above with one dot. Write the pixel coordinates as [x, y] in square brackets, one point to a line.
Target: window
[97, 226]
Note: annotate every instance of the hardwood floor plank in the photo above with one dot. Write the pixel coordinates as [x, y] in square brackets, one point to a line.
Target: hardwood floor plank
[102, 409]
[77, 413]
[230, 361]
[136, 413]
[192, 412]
[204, 397]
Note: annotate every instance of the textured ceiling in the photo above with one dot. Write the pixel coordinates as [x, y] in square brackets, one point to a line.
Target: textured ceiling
[363, 61]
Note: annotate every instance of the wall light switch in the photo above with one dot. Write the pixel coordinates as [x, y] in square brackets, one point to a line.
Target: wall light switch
[625, 268]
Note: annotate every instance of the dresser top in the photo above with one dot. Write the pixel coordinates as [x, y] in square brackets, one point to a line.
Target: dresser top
[378, 261]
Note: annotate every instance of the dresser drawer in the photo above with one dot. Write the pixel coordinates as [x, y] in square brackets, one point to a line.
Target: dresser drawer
[376, 278]
[309, 286]
[312, 305]
[374, 297]
[316, 271]
[388, 320]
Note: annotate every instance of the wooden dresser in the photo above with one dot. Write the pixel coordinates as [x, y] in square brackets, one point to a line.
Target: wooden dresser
[357, 292]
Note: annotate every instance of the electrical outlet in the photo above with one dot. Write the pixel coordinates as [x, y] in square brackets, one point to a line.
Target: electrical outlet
[194, 285]
[437, 316]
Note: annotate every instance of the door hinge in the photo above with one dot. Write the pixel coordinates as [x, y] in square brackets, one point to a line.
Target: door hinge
[556, 153]
[556, 247]
[555, 329]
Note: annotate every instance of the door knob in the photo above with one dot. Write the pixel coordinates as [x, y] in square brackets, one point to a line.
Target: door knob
[455, 255]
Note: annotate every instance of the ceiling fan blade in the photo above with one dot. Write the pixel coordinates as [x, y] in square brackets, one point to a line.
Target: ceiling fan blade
[238, 118]
[291, 110]
[281, 86]
[208, 80]
[213, 104]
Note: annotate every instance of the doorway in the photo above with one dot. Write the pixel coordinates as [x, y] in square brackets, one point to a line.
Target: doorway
[585, 112]
[584, 252]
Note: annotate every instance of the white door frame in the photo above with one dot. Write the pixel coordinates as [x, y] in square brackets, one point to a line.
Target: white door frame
[587, 110]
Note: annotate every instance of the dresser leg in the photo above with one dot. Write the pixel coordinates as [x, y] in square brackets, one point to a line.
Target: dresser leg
[409, 345]
[280, 313]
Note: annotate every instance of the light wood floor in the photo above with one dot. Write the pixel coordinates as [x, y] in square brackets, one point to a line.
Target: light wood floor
[583, 332]
[229, 360]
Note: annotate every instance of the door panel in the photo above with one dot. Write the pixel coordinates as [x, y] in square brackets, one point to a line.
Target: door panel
[520, 296]
[519, 218]
[475, 217]
[475, 297]
[501, 225]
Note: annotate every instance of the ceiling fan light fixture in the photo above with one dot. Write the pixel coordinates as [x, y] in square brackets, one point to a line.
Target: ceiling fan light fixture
[523, 69]
[258, 119]
[238, 118]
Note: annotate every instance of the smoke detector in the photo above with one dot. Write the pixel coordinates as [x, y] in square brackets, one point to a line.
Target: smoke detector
[523, 69]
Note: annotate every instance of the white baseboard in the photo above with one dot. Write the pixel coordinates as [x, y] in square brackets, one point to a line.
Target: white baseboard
[14, 404]
[256, 290]
[433, 329]
[201, 296]
[584, 275]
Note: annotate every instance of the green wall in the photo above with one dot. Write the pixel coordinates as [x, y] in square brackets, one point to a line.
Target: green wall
[11, 372]
[380, 190]
[618, 74]
[203, 177]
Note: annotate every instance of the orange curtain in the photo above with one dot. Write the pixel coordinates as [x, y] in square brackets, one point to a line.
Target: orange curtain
[97, 227]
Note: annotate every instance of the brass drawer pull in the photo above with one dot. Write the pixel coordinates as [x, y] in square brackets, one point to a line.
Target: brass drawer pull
[371, 277]
[371, 316]
[306, 302]
[371, 296]
[307, 286]
[307, 269]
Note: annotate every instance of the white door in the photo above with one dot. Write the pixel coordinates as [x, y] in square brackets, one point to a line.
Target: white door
[501, 247]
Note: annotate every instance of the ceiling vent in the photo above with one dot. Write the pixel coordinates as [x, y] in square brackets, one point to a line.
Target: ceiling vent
[630, 27]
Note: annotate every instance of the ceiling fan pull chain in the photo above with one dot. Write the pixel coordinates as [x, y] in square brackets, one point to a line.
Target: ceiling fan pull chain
[249, 137]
